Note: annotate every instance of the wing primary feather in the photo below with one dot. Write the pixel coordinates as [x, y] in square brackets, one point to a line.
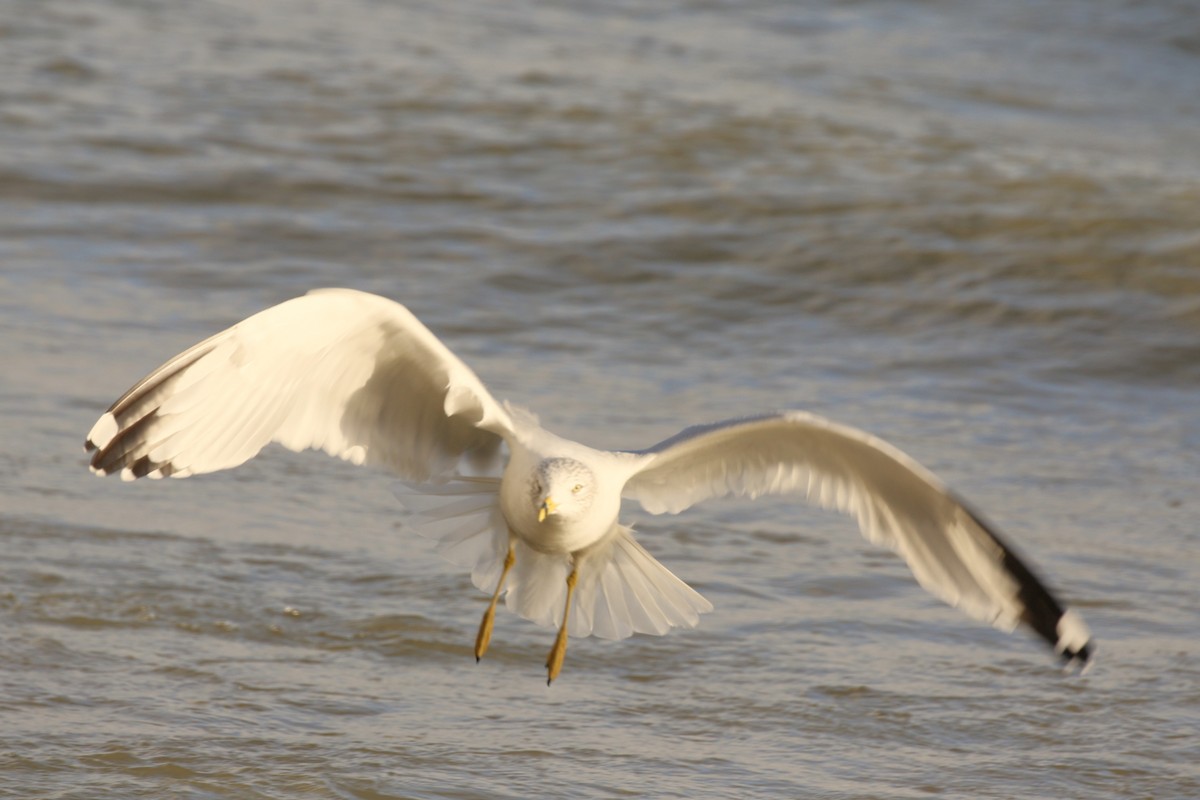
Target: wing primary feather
[164, 373]
[116, 453]
[1040, 610]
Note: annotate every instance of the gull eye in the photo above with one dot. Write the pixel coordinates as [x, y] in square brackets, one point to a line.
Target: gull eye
[577, 488]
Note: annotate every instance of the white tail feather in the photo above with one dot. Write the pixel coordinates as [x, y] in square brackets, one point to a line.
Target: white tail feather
[621, 590]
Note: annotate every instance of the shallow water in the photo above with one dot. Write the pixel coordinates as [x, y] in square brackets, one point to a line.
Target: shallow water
[969, 228]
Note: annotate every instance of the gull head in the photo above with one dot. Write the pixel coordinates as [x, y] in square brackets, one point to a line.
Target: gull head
[562, 488]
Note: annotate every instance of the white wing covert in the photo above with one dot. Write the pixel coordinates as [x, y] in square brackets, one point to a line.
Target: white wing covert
[350, 373]
[898, 503]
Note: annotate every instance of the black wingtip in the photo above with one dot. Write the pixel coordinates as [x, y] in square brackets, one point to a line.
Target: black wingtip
[1080, 659]
[1058, 626]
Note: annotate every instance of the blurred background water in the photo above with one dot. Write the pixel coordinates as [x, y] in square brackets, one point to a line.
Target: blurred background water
[970, 228]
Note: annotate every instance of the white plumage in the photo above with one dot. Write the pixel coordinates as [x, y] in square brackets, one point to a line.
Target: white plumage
[358, 376]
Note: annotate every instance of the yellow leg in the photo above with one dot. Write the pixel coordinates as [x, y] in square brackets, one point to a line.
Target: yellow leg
[554, 661]
[484, 637]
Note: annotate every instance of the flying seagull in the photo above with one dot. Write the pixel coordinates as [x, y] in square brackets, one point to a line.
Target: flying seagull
[534, 515]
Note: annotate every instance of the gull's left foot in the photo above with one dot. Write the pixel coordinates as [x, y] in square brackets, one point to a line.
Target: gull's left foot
[558, 652]
[484, 637]
[554, 661]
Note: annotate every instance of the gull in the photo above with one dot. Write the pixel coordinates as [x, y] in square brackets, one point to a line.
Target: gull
[533, 515]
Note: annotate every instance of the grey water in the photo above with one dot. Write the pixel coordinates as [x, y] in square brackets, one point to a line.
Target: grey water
[969, 228]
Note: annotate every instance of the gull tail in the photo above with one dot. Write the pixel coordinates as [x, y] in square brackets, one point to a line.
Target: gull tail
[622, 590]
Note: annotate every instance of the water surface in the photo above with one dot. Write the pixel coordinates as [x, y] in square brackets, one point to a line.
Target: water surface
[969, 228]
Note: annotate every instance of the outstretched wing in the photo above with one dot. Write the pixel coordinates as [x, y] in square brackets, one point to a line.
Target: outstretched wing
[350, 373]
[951, 550]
